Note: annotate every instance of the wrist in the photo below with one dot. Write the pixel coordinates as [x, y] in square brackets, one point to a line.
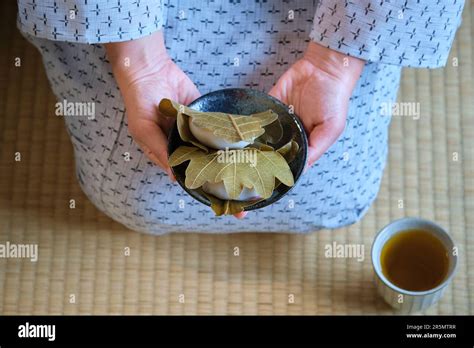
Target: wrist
[338, 65]
[131, 58]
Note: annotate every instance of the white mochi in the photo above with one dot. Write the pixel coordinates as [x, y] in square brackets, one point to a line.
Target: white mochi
[207, 138]
[218, 190]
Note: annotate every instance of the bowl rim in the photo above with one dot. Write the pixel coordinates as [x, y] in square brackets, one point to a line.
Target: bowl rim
[422, 224]
[293, 116]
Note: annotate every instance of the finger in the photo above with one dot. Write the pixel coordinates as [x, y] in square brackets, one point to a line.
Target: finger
[310, 159]
[150, 154]
[276, 92]
[321, 138]
[172, 177]
[153, 137]
[192, 93]
[155, 159]
[241, 215]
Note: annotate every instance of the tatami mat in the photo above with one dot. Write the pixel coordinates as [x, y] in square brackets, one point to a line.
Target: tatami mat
[82, 251]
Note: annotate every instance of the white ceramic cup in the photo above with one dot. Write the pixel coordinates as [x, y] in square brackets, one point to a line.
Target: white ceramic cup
[405, 301]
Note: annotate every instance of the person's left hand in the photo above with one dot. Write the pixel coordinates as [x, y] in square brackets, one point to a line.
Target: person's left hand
[318, 87]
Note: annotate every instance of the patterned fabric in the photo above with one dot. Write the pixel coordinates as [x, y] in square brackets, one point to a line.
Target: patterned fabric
[222, 44]
[404, 32]
[90, 21]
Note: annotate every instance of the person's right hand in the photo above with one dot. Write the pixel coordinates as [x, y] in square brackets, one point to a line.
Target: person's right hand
[146, 74]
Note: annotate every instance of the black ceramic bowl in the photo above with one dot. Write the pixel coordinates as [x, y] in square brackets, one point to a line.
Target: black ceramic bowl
[242, 101]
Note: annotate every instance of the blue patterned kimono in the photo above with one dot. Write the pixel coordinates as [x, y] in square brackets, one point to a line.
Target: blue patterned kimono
[206, 38]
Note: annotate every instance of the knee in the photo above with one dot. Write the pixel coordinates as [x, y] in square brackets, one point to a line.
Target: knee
[139, 205]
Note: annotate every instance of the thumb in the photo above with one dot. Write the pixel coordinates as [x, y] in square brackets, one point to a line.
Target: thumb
[192, 93]
[321, 138]
[152, 139]
[276, 92]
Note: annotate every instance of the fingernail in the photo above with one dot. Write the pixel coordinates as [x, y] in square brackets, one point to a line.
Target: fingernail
[241, 215]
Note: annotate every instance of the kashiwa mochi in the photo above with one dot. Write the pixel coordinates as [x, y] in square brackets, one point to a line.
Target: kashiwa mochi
[218, 190]
[208, 138]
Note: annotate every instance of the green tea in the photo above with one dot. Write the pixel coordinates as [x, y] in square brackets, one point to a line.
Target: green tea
[415, 260]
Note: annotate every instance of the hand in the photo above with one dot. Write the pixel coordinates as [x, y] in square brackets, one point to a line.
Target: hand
[146, 74]
[319, 86]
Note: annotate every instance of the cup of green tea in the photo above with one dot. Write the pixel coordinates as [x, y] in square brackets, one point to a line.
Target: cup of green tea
[414, 261]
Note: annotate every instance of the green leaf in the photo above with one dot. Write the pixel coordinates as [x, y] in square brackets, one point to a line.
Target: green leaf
[234, 128]
[183, 154]
[273, 133]
[249, 167]
[261, 146]
[221, 207]
[270, 166]
[230, 127]
[170, 108]
[289, 150]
